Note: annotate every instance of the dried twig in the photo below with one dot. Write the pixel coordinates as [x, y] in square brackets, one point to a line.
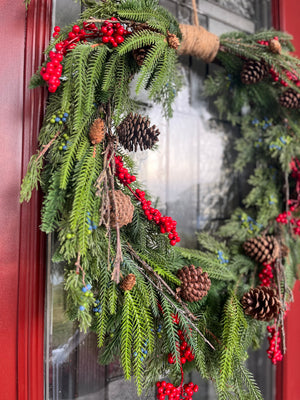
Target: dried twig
[79, 268]
[46, 146]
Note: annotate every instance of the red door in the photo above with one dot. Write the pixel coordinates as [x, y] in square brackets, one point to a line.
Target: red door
[24, 36]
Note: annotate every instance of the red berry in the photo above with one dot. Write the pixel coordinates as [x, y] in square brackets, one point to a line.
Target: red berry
[76, 29]
[183, 360]
[58, 46]
[120, 30]
[119, 39]
[105, 39]
[52, 88]
[56, 29]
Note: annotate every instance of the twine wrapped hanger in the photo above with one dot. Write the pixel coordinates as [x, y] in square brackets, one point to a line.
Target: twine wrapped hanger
[197, 41]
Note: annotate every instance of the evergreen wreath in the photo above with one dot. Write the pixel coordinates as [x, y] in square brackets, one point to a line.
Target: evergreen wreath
[171, 309]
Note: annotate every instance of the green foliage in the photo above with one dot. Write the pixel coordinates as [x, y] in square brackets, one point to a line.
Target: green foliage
[138, 325]
[32, 178]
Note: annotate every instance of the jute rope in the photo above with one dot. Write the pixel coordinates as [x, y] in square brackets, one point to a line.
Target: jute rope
[197, 41]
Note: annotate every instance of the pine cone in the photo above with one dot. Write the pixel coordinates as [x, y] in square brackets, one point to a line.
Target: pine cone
[253, 71]
[262, 249]
[261, 303]
[173, 40]
[140, 54]
[128, 282]
[195, 283]
[97, 131]
[290, 99]
[135, 131]
[275, 46]
[124, 209]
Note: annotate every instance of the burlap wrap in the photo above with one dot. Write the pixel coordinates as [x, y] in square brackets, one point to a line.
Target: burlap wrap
[198, 42]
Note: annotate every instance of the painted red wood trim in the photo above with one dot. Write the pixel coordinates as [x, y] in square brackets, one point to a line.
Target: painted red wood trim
[12, 23]
[30, 368]
[276, 14]
[286, 17]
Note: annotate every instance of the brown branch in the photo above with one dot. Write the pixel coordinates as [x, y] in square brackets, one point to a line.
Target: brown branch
[158, 277]
[79, 268]
[46, 146]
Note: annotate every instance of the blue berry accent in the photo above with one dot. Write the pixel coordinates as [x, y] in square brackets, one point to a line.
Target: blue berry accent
[81, 308]
[66, 115]
[221, 258]
[57, 119]
[64, 147]
[135, 354]
[64, 119]
[89, 287]
[84, 289]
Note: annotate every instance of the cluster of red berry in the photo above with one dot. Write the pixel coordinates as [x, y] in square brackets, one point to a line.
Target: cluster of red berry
[274, 352]
[287, 217]
[266, 275]
[185, 350]
[291, 76]
[113, 32]
[166, 224]
[165, 389]
[122, 173]
[182, 391]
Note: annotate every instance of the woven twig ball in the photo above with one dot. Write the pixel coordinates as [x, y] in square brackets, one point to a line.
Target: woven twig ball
[123, 213]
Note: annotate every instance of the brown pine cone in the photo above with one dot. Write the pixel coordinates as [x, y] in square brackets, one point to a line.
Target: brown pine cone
[253, 71]
[261, 303]
[128, 282]
[275, 46]
[135, 131]
[124, 209]
[290, 99]
[173, 40]
[195, 283]
[262, 249]
[140, 54]
[97, 131]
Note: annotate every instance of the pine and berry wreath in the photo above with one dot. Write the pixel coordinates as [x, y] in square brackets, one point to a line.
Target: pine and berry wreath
[123, 271]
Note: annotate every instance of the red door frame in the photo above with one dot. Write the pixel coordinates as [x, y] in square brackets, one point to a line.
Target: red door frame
[286, 18]
[24, 36]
